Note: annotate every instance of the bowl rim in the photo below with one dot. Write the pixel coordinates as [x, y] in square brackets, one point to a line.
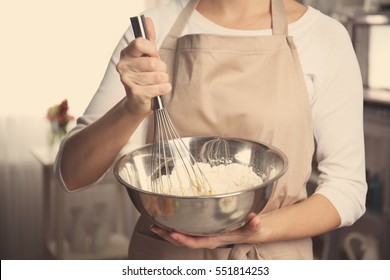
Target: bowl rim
[211, 196]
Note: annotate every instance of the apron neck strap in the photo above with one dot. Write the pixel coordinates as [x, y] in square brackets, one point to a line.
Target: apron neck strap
[181, 21]
[278, 12]
[279, 18]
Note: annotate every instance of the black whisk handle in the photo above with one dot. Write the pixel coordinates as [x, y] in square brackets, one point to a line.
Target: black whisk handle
[139, 27]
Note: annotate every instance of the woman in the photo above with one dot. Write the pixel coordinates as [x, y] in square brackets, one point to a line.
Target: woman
[286, 75]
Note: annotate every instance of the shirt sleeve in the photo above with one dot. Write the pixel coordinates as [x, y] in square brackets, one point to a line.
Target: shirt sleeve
[111, 90]
[109, 93]
[338, 127]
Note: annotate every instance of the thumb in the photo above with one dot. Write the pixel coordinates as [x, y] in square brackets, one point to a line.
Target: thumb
[253, 222]
[151, 30]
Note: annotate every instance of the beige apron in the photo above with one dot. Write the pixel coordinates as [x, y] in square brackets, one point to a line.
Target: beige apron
[244, 87]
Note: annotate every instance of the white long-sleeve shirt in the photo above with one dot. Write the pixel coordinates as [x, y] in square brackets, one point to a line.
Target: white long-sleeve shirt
[335, 92]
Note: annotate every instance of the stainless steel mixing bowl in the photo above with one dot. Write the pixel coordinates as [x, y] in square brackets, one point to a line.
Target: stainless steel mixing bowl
[202, 215]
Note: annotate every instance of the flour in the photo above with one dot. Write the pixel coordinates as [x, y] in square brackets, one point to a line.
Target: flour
[222, 179]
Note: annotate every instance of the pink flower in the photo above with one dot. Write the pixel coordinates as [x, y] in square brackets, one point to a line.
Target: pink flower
[58, 115]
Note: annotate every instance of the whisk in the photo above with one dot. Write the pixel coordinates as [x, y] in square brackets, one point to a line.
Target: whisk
[217, 152]
[173, 166]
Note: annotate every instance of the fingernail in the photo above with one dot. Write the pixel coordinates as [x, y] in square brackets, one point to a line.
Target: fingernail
[174, 237]
[153, 229]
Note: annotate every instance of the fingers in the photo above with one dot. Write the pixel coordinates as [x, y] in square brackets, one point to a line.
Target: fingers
[145, 93]
[150, 28]
[253, 223]
[142, 72]
[148, 84]
[140, 65]
[192, 242]
[144, 78]
[167, 235]
[245, 234]
[139, 47]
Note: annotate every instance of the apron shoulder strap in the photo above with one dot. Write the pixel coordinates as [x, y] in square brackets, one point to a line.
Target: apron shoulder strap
[181, 21]
[177, 28]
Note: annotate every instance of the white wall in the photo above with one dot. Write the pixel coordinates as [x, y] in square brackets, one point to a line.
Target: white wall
[56, 49]
[49, 50]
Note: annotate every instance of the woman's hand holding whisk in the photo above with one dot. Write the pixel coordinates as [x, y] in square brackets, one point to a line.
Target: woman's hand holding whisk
[143, 73]
[144, 76]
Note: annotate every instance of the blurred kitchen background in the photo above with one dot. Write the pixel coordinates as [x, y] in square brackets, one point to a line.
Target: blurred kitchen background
[56, 50]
